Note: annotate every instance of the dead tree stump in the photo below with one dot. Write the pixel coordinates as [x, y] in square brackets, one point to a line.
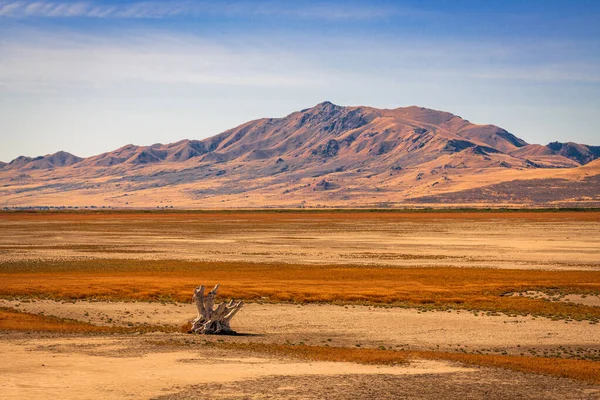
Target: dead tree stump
[213, 321]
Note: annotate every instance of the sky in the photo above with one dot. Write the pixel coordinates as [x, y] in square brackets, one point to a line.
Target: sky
[91, 76]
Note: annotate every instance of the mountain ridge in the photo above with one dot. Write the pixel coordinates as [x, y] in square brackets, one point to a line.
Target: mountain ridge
[329, 153]
[494, 136]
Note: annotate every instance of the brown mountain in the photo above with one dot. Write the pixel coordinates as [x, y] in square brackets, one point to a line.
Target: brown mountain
[58, 159]
[324, 155]
[560, 154]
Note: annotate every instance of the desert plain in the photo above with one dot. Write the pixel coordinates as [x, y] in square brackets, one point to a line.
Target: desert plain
[338, 304]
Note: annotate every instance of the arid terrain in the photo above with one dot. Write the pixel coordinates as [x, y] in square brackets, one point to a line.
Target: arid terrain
[304, 200]
[324, 156]
[339, 304]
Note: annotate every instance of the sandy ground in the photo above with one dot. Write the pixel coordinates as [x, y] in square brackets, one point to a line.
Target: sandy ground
[125, 367]
[93, 368]
[351, 325]
[484, 384]
[517, 240]
[587, 300]
[48, 366]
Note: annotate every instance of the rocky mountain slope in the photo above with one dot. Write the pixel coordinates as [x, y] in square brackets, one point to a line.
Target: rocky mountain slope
[59, 159]
[325, 155]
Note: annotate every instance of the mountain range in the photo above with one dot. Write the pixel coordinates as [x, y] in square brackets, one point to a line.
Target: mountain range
[327, 155]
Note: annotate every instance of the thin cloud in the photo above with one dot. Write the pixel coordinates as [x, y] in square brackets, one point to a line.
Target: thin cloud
[57, 63]
[53, 62]
[563, 72]
[170, 9]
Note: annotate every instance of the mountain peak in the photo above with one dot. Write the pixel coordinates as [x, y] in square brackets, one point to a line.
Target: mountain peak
[326, 103]
[347, 155]
[583, 154]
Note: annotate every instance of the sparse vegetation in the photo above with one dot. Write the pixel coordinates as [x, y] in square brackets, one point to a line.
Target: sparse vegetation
[13, 320]
[34, 265]
[583, 370]
[426, 288]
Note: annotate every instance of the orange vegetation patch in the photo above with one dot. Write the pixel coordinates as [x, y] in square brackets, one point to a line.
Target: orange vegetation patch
[439, 287]
[269, 216]
[323, 353]
[12, 320]
[583, 370]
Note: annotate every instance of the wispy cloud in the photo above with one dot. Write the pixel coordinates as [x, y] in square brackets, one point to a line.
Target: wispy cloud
[168, 9]
[40, 61]
[55, 62]
[550, 72]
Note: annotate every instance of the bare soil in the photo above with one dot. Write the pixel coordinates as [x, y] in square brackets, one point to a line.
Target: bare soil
[177, 366]
[337, 326]
[92, 368]
[509, 240]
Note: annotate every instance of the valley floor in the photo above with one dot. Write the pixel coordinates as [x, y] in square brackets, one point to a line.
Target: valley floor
[339, 305]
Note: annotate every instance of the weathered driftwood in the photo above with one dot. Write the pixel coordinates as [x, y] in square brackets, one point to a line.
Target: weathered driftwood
[213, 321]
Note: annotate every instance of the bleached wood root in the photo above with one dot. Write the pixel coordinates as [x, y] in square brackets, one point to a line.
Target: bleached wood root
[210, 320]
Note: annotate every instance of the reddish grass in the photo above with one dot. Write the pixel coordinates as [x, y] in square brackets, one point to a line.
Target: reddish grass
[588, 371]
[322, 353]
[439, 287]
[14, 320]
[583, 370]
[268, 216]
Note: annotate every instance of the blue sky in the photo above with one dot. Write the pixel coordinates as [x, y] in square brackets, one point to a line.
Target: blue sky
[91, 76]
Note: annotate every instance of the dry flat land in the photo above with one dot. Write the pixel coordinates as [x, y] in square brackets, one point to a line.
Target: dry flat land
[340, 304]
[515, 240]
